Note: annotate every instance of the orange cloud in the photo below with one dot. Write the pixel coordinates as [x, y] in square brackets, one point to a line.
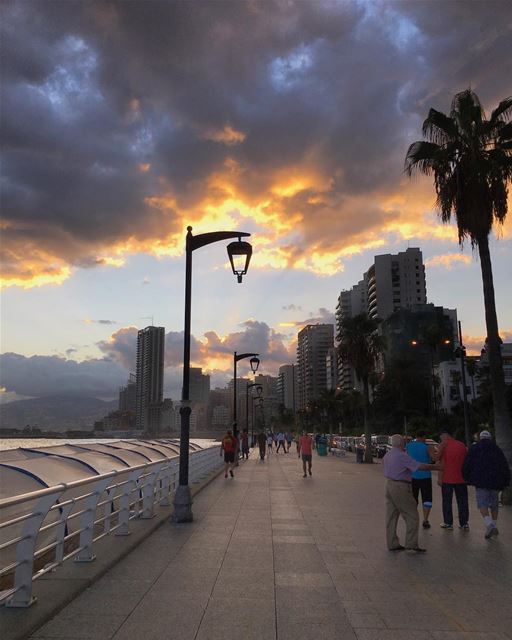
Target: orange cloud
[297, 218]
[448, 260]
[475, 344]
[227, 135]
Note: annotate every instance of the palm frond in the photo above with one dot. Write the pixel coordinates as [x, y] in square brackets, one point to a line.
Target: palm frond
[504, 109]
[466, 111]
[505, 132]
[438, 127]
[422, 156]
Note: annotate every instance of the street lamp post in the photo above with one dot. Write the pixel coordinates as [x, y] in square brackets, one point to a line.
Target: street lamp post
[461, 352]
[239, 253]
[259, 390]
[254, 360]
[254, 398]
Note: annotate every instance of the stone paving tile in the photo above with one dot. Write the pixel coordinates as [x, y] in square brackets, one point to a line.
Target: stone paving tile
[83, 625]
[161, 627]
[419, 621]
[306, 596]
[178, 579]
[349, 594]
[468, 635]
[303, 580]
[173, 604]
[312, 631]
[394, 634]
[235, 618]
[290, 526]
[102, 602]
[293, 539]
[248, 582]
[366, 621]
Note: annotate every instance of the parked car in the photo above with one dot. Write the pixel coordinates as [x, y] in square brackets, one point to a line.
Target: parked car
[379, 446]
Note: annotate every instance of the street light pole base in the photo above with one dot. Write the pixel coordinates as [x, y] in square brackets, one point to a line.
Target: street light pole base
[182, 504]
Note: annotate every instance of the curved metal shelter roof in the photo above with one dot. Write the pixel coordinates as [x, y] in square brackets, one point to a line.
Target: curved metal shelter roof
[31, 468]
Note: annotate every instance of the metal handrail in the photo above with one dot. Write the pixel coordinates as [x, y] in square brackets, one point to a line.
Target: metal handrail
[106, 507]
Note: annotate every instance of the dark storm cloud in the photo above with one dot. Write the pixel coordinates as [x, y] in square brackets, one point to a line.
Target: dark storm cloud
[322, 316]
[254, 336]
[106, 105]
[101, 377]
[50, 375]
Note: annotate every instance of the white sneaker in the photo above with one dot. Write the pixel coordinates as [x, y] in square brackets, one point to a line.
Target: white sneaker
[489, 531]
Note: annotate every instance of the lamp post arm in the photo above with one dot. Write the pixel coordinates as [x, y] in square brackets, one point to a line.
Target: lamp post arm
[201, 240]
[241, 356]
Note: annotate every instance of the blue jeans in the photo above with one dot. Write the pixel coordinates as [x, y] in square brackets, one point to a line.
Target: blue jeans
[461, 495]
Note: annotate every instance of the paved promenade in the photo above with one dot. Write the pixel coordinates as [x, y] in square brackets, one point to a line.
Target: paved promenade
[273, 556]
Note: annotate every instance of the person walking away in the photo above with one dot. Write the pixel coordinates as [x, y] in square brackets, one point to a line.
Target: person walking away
[451, 454]
[305, 449]
[289, 440]
[398, 470]
[422, 480]
[281, 442]
[262, 444]
[229, 447]
[270, 442]
[487, 469]
[245, 444]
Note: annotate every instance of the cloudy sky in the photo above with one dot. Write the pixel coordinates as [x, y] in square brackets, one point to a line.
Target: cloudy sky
[123, 122]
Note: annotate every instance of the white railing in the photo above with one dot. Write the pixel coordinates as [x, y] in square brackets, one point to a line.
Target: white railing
[49, 526]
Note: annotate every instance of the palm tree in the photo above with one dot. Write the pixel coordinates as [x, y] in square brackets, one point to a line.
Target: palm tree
[361, 346]
[470, 158]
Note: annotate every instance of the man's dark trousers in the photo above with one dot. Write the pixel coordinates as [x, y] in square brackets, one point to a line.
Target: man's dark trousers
[461, 495]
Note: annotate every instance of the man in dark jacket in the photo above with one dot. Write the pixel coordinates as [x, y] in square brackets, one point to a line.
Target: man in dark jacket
[487, 469]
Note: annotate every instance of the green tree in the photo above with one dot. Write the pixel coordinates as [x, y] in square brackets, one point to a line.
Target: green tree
[470, 159]
[351, 411]
[330, 407]
[361, 346]
[403, 393]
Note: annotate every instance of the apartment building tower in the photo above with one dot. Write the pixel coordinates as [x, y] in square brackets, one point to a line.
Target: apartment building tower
[149, 377]
[392, 282]
[287, 389]
[314, 341]
[395, 282]
[199, 386]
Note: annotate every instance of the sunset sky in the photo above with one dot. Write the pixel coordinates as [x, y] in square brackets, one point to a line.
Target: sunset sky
[124, 122]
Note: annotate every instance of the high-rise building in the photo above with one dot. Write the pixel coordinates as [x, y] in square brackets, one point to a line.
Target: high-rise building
[220, 408]
[314, 341]
[287, 389]
[331, 369]
[396, 282]
[199, 386]
[270, 405]
[128, 395]
[393, 282]
[150, 377]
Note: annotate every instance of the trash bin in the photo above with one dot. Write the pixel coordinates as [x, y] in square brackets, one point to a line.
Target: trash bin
[321, 447]
[360, 455]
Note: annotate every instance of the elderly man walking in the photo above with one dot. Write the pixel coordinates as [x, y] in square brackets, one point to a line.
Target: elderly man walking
[487, 469]
[398, 469]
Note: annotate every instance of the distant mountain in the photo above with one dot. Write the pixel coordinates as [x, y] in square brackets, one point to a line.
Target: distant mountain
[57, 413]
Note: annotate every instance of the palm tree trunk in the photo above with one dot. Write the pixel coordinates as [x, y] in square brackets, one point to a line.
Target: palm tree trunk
[368, 457]
[502, 423]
